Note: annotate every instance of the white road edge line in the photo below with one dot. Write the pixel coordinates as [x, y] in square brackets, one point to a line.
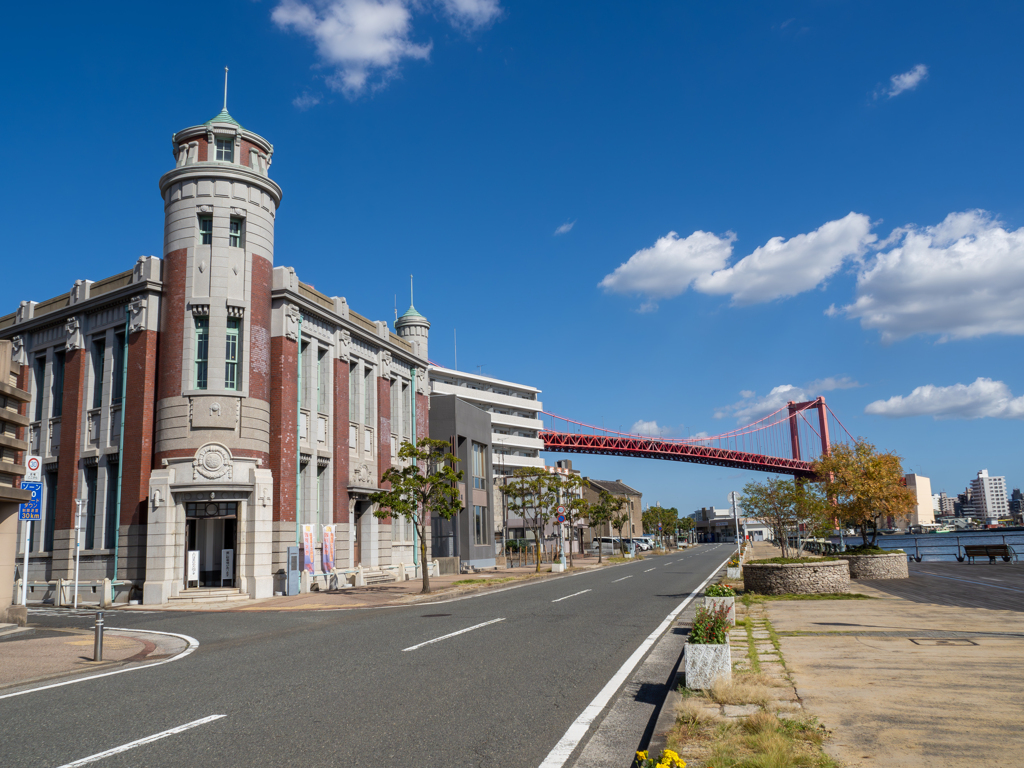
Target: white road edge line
[648, 570]
[623, 578]
[192, 645]
[453, 634]
[564, 748]
[560, 599]
[139, 742]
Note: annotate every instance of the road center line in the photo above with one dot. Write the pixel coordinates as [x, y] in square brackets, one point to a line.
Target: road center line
[453, 634]
[139, 742]
[623, 578]
[560, 599]
[561, 752]
[648, 570]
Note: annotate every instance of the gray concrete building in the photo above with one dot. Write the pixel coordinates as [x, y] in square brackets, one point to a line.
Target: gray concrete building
[468, 536]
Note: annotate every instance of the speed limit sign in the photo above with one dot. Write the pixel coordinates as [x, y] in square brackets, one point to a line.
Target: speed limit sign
[33, 469]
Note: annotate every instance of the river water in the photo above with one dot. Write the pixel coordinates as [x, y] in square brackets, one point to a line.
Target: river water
[944, 547]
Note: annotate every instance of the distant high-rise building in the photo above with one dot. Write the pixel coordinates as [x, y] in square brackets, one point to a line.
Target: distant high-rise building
[989, 497]
[1017, 504]
[947, 506]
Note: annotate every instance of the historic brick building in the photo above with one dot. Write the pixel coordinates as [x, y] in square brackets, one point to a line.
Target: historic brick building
[252, 404]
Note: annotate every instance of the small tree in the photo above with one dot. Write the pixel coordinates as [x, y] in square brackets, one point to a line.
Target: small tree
[533, 496]
[684, 525]
[601, 513]
[866, 485]
[620, 522]
[771, 503]
[577, 508]
[427, 485]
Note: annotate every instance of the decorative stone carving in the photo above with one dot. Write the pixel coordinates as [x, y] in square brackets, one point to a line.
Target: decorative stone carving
[200, 310]
[238, 212]
[202, 265]
[26, 311]
[72, 334]
[291, 322]
[265, 496]
[204, 208]
[361, 474]
[421, 382]
[212, 462]
[212, 412]
[137, 317]
[80, 291]
[157, 499]
[17, 350]
[344, 344]
[385, 365]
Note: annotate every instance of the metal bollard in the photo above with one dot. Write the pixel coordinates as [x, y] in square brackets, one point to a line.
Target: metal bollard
[97, 646]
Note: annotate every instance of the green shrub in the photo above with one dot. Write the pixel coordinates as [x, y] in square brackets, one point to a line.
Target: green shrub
[791, 560]
[710, 626]
[719, 590]
[867, 549]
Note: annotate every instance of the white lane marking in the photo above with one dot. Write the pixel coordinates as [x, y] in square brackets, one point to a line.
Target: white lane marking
[648, 570]
[192, 645]
[453, 634]
[139, 742]
[623, 578]
[560, 599]
[567, 744]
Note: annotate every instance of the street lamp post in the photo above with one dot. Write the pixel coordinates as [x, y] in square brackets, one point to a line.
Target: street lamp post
[733, 498]
[78, 543]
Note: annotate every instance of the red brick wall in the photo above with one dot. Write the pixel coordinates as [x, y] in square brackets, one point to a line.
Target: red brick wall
[340, 447]
[283, 425]
[139, 406]
[422, 417]
[203, 148]
[246, 146]
[24, 379]
[172, 324]
[70, 438]
[259, 328]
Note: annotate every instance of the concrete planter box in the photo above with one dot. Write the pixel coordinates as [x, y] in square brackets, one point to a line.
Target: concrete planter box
[557, 568]
[705, 664]
[714, 603]
[810, 578]
[734, 573]
[892, 566]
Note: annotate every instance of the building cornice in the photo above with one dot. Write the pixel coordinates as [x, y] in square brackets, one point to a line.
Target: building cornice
[220, 170]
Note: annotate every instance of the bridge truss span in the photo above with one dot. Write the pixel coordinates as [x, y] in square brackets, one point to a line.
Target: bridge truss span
[784, 442]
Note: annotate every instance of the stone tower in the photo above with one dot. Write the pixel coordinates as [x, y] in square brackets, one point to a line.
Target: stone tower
[414, 328]
[213, 392]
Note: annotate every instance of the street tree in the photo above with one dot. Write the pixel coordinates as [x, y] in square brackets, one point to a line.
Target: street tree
[601, 513]
[533, 495]
[620, 521]
[422, 485]
[771, 502]
[684, 525]
[866, 485]
[577, 508]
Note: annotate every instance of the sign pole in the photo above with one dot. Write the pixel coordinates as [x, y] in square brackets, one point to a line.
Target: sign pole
[29, 512]
[24, 570]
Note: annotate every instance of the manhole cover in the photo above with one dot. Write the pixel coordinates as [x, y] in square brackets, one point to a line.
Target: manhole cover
[941, 641]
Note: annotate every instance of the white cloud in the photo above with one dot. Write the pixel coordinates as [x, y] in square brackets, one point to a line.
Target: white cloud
[984, 398]
[567, 227]
[698, 435]
[960, 279]
[365, 41]
[907, 81]
[751, 407]
[306, 101]
[669, 266]
[471, 14]
[776, 270]
[359, 38]
[648, 428]
[782, 268]
[647, 307]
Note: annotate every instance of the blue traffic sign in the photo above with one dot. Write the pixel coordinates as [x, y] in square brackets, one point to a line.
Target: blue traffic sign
[32, 510]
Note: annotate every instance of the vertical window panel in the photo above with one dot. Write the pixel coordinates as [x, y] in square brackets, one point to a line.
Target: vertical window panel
[91, 476]
[118, 378]
[206, 230]
[368, 397]
[110, 536]
[202, 352]
[99, 353]
[353, 392]
[57, 384]
[233, 354]
[39, 370]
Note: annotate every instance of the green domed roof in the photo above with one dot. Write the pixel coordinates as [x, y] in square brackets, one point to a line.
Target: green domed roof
[223, 117]
[411, 314]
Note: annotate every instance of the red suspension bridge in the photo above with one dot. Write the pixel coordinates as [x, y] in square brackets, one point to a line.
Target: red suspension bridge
[786, 441]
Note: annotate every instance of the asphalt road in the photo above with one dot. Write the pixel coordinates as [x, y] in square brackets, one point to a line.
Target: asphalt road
[339, 688]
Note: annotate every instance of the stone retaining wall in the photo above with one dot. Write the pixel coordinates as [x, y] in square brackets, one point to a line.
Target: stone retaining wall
[814, 577]
[892, 566]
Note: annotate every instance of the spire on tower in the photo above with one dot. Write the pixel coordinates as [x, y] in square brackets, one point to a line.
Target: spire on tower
[225, 89]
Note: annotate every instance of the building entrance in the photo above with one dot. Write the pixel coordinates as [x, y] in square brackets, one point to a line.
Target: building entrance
[210, 544]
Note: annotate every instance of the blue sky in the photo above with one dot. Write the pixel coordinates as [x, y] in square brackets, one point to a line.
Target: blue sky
[862, 156]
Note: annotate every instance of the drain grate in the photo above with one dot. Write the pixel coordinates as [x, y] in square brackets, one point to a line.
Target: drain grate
[941, 641]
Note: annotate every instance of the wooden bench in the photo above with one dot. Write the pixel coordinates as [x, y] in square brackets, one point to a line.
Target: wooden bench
[991, 551]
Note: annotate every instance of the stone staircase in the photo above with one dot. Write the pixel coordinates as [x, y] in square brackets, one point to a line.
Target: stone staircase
[380, 577]
[208, 595]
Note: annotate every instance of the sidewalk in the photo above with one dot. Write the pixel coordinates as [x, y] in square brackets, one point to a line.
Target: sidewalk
[391, 594]
[45, 654]
[904, 683]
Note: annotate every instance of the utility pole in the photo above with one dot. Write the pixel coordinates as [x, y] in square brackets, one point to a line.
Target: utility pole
[733, 498]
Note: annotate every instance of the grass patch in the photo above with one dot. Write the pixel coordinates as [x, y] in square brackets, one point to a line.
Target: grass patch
[869, 550]
[620, 559]
[791, 560]
[462, 582]
[750, 598]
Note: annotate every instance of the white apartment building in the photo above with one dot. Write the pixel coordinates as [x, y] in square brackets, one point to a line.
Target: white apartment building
[924, 513]
[988, 494]
[515, 415]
